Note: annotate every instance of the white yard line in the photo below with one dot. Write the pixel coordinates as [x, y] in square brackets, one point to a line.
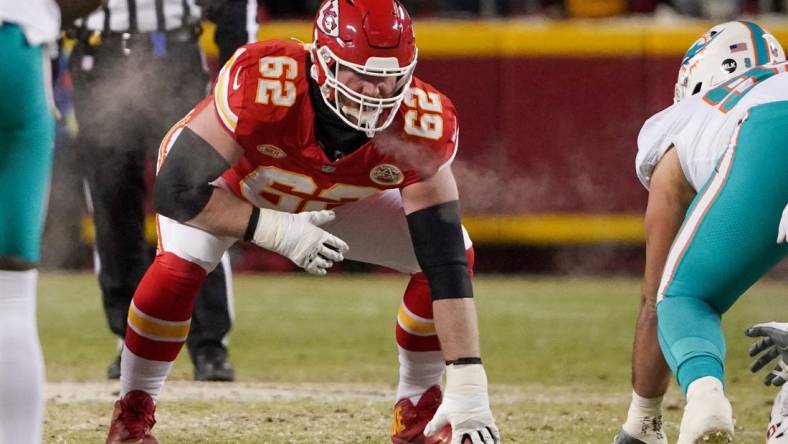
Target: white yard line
[71, 392]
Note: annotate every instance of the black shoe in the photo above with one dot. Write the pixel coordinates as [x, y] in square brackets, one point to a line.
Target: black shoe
[211, 364]
[625, 438]
[113, 371]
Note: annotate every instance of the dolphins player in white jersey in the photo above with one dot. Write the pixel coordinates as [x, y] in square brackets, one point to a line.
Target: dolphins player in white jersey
[715, 166]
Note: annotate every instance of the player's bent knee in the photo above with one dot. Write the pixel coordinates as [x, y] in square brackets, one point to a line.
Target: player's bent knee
[160, 313]
[178, 264]
[716, 302]
[418, 295]
[192, 244]
[168, 289]
[440, 246]
[207, 264]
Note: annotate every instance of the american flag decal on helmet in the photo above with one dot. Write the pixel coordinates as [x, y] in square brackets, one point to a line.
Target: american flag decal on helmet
[738, 47]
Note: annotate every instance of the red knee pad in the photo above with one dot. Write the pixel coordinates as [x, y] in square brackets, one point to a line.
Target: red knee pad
[418, 301]
[164, 300]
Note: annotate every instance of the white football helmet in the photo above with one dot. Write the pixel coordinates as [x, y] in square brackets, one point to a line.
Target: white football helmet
[724, 52]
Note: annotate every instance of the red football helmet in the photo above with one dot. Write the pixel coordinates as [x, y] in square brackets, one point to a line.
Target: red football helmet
[371, 38]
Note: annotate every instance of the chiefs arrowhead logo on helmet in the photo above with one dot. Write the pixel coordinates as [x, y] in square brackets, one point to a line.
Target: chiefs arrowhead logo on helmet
[328, 18]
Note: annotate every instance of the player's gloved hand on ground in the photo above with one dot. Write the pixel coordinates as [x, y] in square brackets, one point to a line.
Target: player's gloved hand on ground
[774, 341]
[782, 230]
[299, 238]
[466, 407]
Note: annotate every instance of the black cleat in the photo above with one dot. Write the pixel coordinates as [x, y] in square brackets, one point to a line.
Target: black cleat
[113, 371]
[625, 438]
[211, 364]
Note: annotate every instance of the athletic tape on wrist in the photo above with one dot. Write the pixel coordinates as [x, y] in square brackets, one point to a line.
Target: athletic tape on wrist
[254, 218]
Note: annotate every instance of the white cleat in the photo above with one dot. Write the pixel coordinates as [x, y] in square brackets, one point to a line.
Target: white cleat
[778, 431]
[708, 416]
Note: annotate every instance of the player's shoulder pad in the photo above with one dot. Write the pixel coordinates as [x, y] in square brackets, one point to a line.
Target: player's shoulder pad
[430, 120]
[659, 133]
[422, 95]
[261, 81]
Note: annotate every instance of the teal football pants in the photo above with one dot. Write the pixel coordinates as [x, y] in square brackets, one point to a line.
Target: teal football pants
[726, 243]
[27, 133]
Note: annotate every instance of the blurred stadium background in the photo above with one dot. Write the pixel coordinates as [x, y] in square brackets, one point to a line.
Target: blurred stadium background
[551, 95]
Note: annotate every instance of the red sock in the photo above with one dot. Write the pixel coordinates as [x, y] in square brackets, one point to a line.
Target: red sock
[415, 330]
[160, 313]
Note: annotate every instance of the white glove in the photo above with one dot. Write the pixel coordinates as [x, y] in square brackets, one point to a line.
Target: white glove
[298, 238]
[466, 407]
[782, 230]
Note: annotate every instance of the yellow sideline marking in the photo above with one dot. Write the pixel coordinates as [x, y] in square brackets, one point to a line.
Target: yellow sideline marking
[491, 38]
[556, 229]
[528, 229]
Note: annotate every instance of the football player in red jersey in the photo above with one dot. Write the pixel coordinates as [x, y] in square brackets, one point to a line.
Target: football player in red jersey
[320, 152]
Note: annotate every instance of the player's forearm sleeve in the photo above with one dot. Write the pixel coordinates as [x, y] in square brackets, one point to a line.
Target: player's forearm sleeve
[183, 186]
[440, 249]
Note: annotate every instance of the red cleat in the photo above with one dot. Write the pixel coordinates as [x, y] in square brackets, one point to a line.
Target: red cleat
[132, 419]
[409, 420]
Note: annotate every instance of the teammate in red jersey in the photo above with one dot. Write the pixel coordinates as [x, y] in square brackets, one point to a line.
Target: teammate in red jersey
[320, 152]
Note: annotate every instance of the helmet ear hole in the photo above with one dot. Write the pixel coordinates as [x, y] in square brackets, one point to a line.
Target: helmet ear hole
[697, 88]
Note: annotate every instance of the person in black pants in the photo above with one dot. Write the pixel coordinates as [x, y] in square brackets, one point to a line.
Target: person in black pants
[131, 85]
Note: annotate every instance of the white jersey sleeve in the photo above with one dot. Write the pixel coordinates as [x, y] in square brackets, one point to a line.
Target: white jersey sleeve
[693, 128]
[701, 128]
[39, 19]
[655, 138]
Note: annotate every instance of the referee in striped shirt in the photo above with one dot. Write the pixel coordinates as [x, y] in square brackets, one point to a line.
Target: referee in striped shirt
[137, 70]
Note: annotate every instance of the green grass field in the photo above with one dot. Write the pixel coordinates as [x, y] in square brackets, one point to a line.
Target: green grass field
[316, 361]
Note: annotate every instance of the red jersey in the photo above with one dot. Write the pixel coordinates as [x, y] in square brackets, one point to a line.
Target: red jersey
[262, 99]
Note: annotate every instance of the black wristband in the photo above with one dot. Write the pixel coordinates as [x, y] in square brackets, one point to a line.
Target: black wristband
[465, 361]
[252, 225]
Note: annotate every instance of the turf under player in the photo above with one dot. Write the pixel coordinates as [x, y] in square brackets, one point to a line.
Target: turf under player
[321, 152]
[27, 135]
[714, 165]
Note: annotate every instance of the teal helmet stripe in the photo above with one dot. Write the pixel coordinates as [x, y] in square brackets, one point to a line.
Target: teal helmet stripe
[761, 51]
[697, 47]
[692, 51]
